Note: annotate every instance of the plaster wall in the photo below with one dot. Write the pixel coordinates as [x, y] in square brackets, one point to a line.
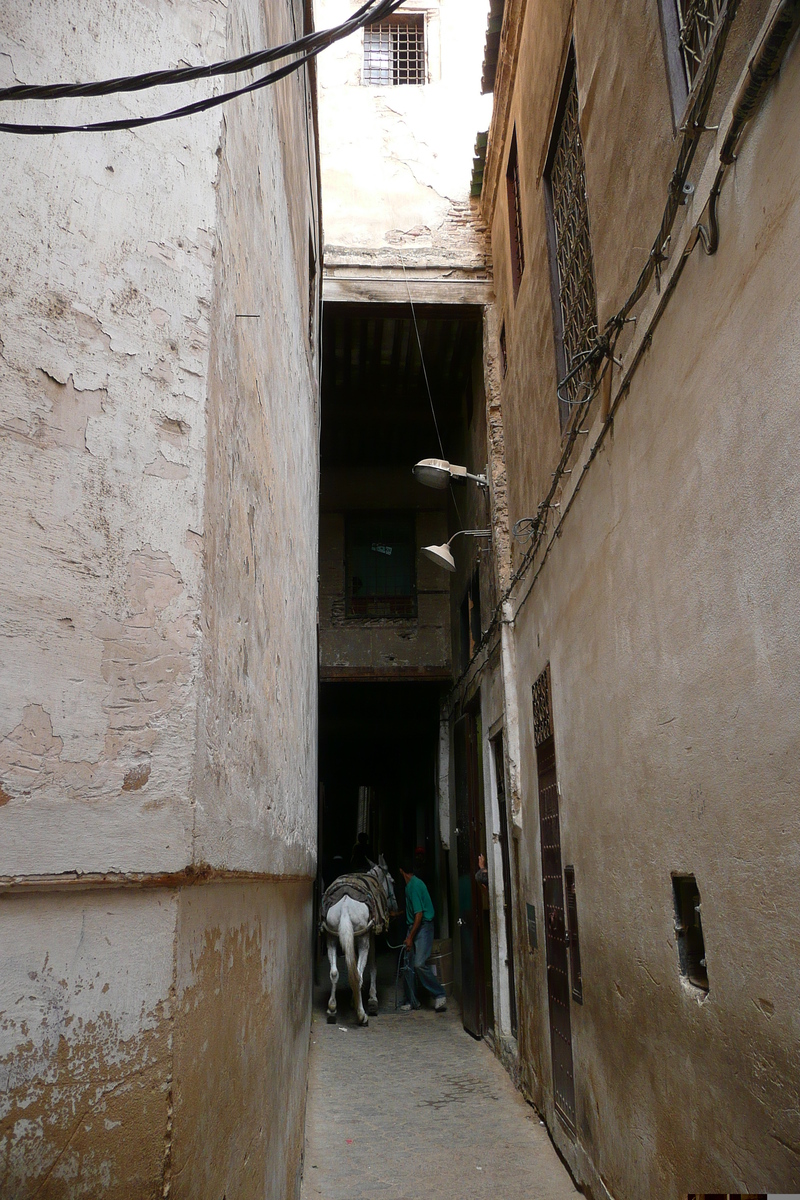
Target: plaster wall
[153, 1042]
[666, 608]
[159, 424]
[396, 161]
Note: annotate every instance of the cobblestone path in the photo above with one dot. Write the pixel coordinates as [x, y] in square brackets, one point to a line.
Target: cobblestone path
[413, 1108]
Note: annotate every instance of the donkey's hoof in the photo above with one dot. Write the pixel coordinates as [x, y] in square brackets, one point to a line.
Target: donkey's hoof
[331, 1018]
[363, 1021]
[372, 1008]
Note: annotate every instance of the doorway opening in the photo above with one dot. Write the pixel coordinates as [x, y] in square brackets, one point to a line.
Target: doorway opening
[378, 751]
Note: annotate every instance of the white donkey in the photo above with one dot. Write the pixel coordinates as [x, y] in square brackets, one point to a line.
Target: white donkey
[355, 908]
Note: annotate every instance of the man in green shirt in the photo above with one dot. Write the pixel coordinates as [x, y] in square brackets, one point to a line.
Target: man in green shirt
[419, 941]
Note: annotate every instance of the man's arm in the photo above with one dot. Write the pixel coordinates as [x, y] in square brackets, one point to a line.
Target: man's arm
[412, 933]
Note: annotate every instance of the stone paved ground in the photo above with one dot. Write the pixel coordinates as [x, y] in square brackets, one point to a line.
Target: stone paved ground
[413, 1108]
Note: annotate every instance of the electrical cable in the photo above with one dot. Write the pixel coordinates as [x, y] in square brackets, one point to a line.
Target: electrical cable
[421, 356]
[308, 47]
[246, 62]
[427, 384]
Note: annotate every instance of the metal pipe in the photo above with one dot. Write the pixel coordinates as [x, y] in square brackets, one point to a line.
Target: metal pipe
[761, 69]
[764, 64]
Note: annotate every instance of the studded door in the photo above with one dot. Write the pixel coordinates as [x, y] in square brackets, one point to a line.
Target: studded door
[558, 989]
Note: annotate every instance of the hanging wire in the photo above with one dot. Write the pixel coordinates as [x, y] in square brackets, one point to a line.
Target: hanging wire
[427, 384]
[307, 47]
[421, 356]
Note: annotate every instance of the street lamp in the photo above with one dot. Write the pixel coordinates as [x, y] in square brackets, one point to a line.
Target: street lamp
[437, 473]
[441, 554]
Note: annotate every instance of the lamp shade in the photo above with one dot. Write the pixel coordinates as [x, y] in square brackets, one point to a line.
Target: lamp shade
[441, 556]
[433, 472]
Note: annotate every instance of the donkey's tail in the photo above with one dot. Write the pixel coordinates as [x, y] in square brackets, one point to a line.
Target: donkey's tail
[347, 942]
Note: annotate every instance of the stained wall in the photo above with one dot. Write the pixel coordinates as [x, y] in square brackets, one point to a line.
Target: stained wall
[397, 159]
[665, 608]
[158, 383]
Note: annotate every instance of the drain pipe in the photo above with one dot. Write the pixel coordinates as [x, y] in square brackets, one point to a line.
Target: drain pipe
[762, 68]
[508, 657]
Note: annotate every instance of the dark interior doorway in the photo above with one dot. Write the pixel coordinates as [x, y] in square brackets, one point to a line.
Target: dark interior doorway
[378, 746]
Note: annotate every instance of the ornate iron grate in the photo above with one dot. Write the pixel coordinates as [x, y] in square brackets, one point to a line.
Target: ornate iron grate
[572, 248]
[697, 20]
[542, 719]
[394, 52]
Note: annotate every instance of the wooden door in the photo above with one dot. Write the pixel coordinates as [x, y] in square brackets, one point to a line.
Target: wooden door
[558, 989]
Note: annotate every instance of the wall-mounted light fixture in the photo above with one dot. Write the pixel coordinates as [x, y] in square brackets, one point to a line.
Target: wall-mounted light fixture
[438, 473]
[441, 554]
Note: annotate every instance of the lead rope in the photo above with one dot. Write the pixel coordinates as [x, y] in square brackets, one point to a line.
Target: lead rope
[402, 959]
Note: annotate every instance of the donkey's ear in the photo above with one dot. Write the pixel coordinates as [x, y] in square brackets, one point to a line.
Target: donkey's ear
[382, 862]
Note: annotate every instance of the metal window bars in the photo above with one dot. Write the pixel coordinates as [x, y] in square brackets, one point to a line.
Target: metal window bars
[394, 52]
[515, 216]
[573, 251]
[542, 718]
[697, 20]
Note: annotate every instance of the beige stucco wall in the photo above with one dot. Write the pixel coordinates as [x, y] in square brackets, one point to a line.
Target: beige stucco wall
[667, 610]
[157, 615]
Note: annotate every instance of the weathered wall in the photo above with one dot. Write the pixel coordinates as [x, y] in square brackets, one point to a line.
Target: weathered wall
[666, 609]
[107, 290]
[397, 160]
[243, 1000]
[158, 387]
[154, 1041]
[257, 763]
[86, 1035]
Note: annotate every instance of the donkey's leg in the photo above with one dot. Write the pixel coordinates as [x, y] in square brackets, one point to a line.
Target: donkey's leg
[332, 948]
[362, 943]
[372, 1002]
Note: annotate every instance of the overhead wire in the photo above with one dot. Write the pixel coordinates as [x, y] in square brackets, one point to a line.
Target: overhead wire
[427, 383]
[307, 47]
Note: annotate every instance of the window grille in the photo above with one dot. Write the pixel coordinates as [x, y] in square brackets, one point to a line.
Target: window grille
[697, 20]
[542, 720]
[394, 52]
[515, 216]
[574, 299]
[379, 575]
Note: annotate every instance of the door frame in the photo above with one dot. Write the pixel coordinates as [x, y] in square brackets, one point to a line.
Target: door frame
[469, 908]
[501, 885]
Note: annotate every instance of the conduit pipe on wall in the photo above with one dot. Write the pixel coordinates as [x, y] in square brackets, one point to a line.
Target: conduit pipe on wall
[508, 658]
[761, 69]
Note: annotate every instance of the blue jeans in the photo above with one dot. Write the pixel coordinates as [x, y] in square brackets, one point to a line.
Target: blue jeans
[417, 964]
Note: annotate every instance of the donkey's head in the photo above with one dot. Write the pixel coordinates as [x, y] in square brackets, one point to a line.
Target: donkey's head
[388, 883]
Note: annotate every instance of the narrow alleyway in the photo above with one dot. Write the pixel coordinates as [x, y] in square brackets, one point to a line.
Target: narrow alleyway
[412, 1107]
